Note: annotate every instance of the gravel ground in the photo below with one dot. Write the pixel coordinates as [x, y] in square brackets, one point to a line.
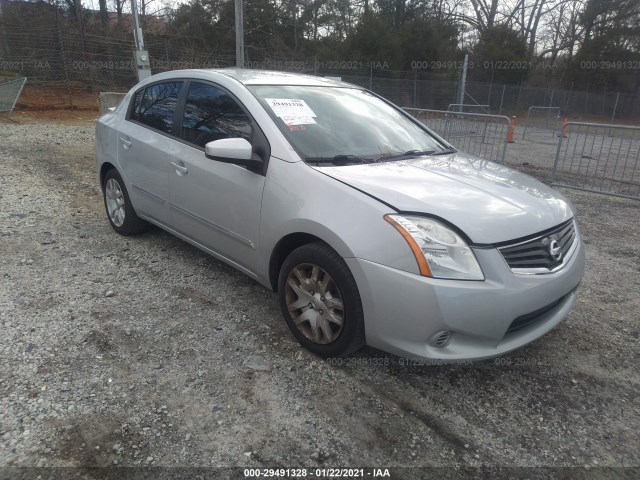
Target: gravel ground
[537, 150]
[144, 351]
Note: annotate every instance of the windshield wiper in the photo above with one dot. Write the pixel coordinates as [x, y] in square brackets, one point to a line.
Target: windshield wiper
[446, 151]
[417, 153]
[345, 159]
[409, 154]
[339, 159]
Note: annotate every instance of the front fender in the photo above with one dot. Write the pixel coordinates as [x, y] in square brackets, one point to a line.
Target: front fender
[300, 199]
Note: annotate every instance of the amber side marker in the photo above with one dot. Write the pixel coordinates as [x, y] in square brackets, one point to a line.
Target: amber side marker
[423, 266]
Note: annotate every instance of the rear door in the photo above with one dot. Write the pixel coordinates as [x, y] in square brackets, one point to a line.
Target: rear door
[216, 204]
[143, 145]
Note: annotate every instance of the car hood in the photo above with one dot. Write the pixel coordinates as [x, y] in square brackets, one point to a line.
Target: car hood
[490, 203]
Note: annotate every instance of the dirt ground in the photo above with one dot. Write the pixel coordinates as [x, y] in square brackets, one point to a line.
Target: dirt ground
[48, 105]
[144, 351]
[51, 104]
[43, 97]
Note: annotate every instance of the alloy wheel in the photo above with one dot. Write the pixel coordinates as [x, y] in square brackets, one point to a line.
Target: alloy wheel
[115, 202]
[314, 303]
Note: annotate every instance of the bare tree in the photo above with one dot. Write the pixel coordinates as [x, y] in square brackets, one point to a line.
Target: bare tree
[119, 7]
[486, 12]
[104, 15]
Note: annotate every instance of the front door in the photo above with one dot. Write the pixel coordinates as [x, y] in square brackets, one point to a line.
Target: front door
[216, 204]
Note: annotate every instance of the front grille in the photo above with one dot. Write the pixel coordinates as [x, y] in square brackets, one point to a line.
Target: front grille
[530, 318]
[536, 254]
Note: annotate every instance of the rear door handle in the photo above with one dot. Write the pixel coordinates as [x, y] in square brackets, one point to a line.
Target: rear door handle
[180, 168]
[125, 143]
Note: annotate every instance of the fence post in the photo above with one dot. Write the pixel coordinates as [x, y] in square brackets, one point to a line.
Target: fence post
[512, 128]
[502, 99]
[490, 88]
[555, 162]
[63, 59]
[586, 99]
[504, 149]
[524, 128]
[370, 75]
[615, 106]
[463, 80]
[566, 104]
[415, 82]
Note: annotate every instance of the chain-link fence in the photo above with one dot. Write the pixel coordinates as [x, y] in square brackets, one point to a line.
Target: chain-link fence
[407, 89]
[609, 105]
[64, 65]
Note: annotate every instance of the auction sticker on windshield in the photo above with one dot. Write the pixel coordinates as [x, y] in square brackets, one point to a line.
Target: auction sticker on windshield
[292, 111]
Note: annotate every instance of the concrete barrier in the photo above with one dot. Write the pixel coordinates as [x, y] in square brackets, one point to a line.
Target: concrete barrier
[109, 100]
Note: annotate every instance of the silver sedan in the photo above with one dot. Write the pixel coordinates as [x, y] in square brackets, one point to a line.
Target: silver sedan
[371, 228]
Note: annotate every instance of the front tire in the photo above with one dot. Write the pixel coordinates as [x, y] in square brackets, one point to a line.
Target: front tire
[120, 212]
[320, 301]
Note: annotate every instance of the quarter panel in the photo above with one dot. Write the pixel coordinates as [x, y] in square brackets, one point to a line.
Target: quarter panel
[145, 166]
[105, 148]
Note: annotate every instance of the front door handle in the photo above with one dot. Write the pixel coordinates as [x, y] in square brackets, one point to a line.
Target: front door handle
[125, 143]
[180, 168]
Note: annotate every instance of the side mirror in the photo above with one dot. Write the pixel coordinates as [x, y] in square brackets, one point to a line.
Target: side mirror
[233, 150]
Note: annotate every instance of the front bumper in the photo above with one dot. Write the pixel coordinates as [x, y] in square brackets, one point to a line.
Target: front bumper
[403, 311]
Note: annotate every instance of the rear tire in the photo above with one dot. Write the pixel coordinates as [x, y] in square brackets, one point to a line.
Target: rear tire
[120, 212]
[320, 301]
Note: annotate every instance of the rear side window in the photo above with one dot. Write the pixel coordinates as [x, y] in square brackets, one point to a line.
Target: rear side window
[135, 109]
[211, 114]
[157, 105]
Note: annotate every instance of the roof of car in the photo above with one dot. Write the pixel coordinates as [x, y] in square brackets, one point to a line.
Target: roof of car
[268, 77]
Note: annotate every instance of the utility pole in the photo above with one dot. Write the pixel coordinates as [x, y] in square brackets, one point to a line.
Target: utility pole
[141, 56]
[137, 31]
[239, 35]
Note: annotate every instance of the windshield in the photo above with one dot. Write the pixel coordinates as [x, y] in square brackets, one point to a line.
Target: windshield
[347, 124]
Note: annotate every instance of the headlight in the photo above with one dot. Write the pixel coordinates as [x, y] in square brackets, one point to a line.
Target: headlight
[439, 251]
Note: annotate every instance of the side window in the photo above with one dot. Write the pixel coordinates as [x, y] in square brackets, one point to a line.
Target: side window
[135, 108]
[157, 106]
[211, 114]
